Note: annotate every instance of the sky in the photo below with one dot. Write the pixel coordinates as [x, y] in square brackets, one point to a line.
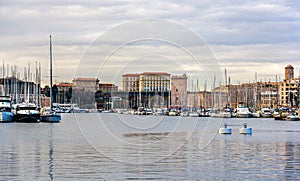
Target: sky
[106, 39]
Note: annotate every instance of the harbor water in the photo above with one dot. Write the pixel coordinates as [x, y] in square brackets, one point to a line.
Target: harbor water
[109, 146]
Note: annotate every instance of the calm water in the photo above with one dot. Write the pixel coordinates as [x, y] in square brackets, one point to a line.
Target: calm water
[120, 147]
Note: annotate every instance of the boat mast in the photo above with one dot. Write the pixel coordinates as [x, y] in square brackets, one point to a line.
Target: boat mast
[51, 101]
[3, 75]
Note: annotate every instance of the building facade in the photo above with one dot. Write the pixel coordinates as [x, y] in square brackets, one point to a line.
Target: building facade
[179, 90]
[64, 93]
[289, 88]
[147, 89]
[154, 82]
[107, 87]
[85, 84]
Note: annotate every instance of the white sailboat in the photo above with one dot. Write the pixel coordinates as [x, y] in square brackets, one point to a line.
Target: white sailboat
[5, 104]
[26, 111]
[50, 116]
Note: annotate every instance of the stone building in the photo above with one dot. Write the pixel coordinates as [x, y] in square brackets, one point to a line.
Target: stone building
[179, 90]
[289, 88]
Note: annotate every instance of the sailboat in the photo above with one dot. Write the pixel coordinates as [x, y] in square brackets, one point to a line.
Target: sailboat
[26, 112]
[5, 109]
[5, 105]
[50, 116]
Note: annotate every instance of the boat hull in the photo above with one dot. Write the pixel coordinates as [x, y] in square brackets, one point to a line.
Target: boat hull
[292, 118]
[266, 115]
[52, 118]
[6, 117]
[221, 115]
[243, 115]
[27, 118]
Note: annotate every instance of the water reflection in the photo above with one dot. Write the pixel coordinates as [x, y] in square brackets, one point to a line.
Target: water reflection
[292, 160]
[60, 152]
[51, 150]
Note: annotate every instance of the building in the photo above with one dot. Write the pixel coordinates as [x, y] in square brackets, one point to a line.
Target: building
[130, 82]
[147, 89]
[179, 90]
[154, 82]
[85, 84]
[107, 87]
[83, 92]
[289, 88]
[64, 93]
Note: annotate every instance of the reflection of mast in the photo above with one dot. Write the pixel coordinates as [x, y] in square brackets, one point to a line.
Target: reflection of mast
[51, 157]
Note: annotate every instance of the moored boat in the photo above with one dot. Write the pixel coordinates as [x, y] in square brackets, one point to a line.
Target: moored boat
[266, 113]
[47, 115]
[5, 109]
[243, 112]
[26, 113]
[50, 116]
[292, 117]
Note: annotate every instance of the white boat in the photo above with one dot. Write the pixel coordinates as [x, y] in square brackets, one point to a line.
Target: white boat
[221, 114]
[26, 112]
[194, 114]
[172, 113]
[158, 112]
[266, 113]
[184, 114]
[292, 117]
[5, 109]
[47, 115]
[243, 112]
[256, 114]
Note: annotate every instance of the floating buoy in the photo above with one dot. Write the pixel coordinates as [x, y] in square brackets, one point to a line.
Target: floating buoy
[245, 129]
[225, 130]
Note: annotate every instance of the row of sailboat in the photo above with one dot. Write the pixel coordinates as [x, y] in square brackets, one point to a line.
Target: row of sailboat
[27, 111]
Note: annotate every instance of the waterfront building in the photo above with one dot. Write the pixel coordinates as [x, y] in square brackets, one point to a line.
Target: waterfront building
[85, 84]
[147, 89]
[64, 92]
[107, 87]
[154, 82]
[289, 88]
[83, 92]
[179, 90]
[130, 82]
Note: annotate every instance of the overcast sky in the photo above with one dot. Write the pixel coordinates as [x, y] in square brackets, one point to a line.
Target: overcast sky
[243, 36]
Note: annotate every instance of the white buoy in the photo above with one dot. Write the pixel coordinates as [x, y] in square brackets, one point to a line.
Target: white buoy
[245, 129]
[225, 130]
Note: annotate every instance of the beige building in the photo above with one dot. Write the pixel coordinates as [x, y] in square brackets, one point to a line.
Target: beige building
[86, 84]
[289, 88]
[179, 90]
[146, 82]
[108, 87]
[154, 82]
[130, 82]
